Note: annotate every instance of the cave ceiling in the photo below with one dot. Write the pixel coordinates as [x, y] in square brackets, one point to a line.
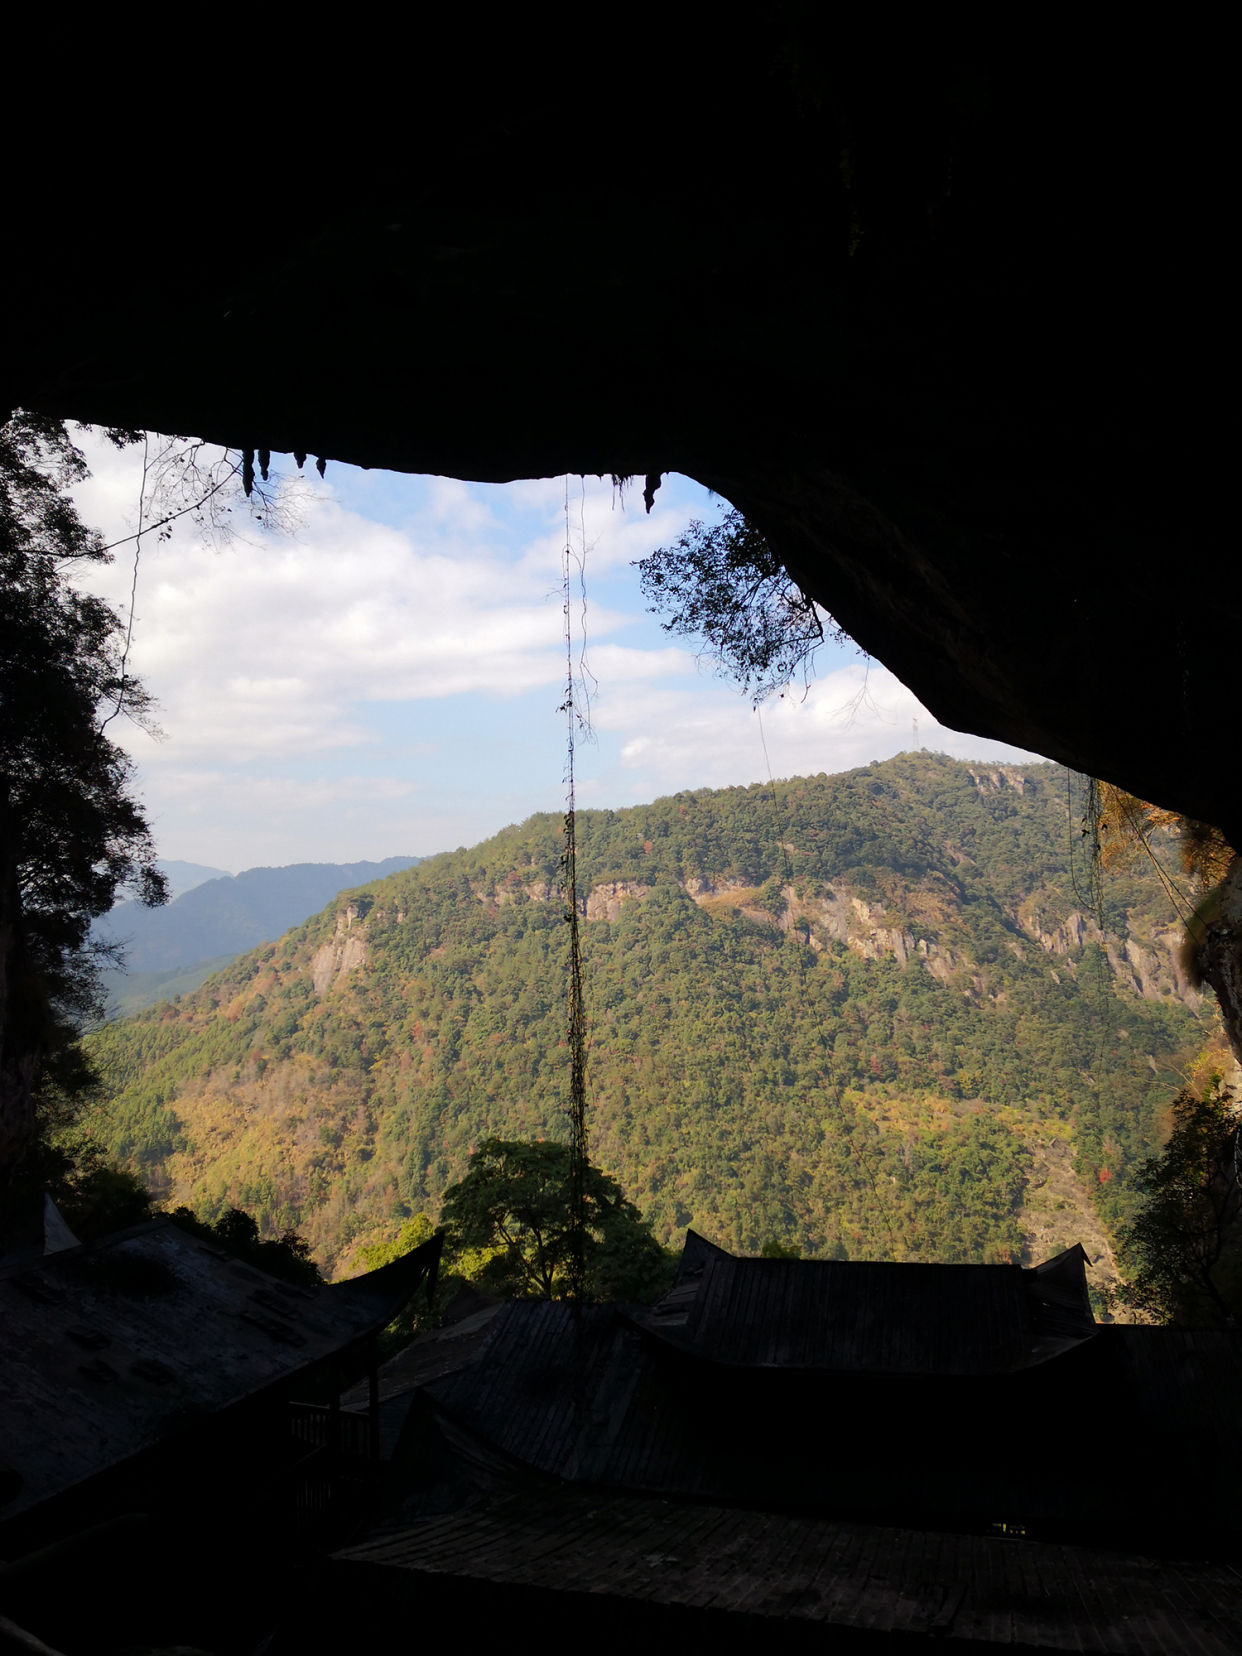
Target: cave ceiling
[926, 322]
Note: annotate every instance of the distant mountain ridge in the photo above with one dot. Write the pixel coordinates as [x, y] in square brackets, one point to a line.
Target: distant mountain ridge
[184, 876]
[223, 917]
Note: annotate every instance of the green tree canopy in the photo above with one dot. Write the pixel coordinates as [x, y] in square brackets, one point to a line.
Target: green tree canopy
[1184, 1247]
[751, 1072]
[514, 1203]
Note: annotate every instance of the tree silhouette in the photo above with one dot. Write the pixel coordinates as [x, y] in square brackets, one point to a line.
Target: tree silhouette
[514, 1203]
[71, 833]
[1185, 1241]
[724, 583]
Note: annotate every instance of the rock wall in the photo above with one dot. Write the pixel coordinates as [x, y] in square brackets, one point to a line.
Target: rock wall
[332, 962]
[1148, 961]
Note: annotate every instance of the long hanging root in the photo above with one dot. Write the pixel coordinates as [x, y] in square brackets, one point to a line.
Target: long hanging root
[576, 1032]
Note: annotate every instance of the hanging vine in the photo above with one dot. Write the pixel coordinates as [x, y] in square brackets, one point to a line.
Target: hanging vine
[576, 708]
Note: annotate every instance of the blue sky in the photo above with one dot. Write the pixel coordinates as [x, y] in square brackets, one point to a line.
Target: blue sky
[386, 680]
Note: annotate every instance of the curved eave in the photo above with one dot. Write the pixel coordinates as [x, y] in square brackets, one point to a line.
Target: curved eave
[373, 1300]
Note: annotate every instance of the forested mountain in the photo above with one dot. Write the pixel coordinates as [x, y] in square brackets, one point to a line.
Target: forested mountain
[866, 1015]
[214, 918]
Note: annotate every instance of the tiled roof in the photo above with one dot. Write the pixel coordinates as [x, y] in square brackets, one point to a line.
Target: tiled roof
[111, 1346]
[605, 1398]
[432, 1355]
[872, 1318]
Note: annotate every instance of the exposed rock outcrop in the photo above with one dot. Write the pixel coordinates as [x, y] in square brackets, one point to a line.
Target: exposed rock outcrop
[993, 778]
[333, 961]
[1054, 935]
[908, 925]
[605, 901]
[1147, 961]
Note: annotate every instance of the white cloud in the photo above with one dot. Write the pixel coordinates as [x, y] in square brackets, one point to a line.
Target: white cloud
[387, 682]
[263, 649]
[847, 718]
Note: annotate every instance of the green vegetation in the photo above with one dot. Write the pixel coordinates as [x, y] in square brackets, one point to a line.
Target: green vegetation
[1185, 1246]
[513, 1206]
[130, 992]
[72, 831]
[94, 1196]
[842, 1015]
[412, 1235]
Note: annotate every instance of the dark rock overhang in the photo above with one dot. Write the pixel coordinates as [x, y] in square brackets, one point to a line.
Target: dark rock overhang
[915, 309]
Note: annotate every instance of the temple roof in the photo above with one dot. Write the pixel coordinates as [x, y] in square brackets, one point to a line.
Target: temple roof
[112, 1346]
[935, 1393]
[872, 1317]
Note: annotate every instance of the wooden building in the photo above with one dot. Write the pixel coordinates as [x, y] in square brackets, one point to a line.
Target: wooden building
[167, 1406]
[798, 1450]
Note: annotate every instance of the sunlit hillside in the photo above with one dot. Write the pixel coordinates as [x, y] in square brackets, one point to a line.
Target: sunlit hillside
[868, 1015]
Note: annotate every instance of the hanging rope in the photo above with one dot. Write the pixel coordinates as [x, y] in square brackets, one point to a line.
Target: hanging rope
[1089, 832]
[576, 1032]
[776, 808]
[133, 590]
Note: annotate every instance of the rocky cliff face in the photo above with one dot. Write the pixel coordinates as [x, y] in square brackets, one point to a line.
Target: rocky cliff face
[1218, 952]
[1146, 960]
[346, 950]
[915, 923]
[909, 926]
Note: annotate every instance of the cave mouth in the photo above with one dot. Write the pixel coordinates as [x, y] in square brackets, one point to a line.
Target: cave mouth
[903, 304]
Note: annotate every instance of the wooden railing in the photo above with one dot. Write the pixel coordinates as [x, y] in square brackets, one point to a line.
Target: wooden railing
[329, 1486]
[313, 1424]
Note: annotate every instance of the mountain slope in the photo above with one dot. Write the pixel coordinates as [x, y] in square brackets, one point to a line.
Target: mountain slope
[862, 1013]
